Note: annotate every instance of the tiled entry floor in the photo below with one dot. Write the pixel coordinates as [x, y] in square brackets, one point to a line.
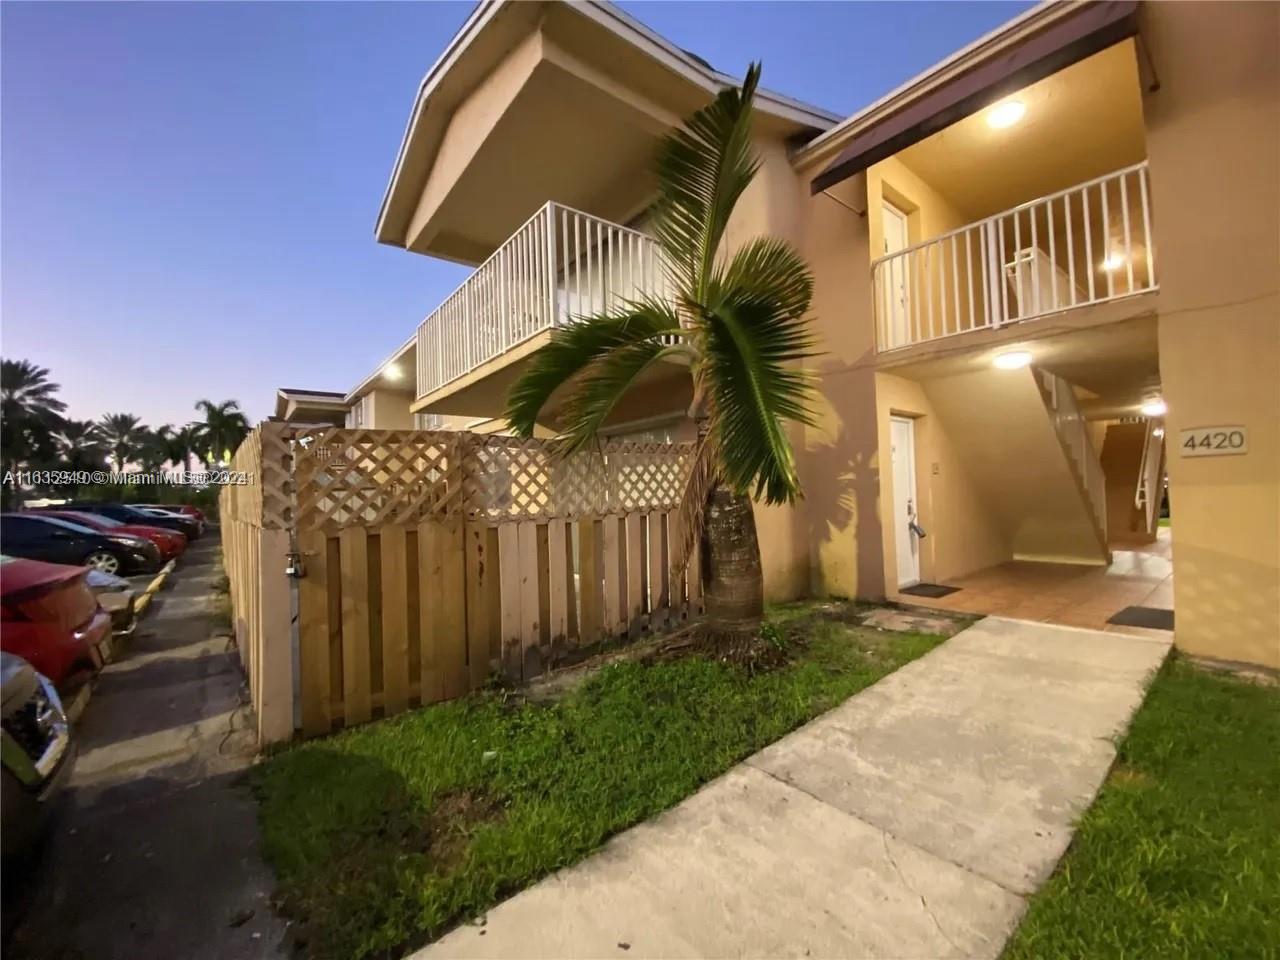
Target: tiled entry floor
[1077, 596]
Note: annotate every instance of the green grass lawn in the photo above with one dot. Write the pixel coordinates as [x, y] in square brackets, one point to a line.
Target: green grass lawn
[384, 836]
[1165, 522]
[1180, 854]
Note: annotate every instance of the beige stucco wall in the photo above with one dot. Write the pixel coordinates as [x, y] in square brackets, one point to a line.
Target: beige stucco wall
[1213, 135]
[929, 213]
[388, 410]
[840, 463]
[963, 531]
[473, 121]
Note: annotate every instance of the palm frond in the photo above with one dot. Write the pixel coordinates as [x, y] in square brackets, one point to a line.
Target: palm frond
[702, 170]
[766, 271]
[752, 372]
[573, 351]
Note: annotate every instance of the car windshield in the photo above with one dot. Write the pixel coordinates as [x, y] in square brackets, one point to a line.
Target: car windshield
[133, 513]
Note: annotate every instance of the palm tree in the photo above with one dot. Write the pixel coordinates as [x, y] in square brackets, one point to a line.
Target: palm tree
[80, 445]
[153, 447]
[225, 427]
[30, 412]
[738, 324]
[181, 445]
[124, 435]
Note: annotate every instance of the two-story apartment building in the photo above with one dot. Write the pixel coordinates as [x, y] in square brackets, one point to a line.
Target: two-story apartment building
[1047, 277]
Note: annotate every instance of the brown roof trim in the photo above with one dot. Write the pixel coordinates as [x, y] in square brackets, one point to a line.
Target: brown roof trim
[1095, 27]
[295, 391]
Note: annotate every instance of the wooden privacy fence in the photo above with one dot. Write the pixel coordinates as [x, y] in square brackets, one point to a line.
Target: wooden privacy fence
[432, 561]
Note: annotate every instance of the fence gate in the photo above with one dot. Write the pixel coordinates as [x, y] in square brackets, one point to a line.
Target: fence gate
[433, 561]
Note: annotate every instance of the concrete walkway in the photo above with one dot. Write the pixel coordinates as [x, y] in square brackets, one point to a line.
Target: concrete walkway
[155, 853]
[912, 821]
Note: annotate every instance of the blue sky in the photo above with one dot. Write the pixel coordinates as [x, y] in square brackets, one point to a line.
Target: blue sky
[189, 190]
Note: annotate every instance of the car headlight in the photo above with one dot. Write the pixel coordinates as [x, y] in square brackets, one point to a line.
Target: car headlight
[132, 542]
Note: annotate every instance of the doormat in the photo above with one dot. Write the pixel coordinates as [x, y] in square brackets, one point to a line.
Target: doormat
[933, 590]
[1153, 618]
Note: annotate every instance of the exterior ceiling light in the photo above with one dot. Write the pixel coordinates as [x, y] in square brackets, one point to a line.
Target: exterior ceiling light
[1012, 359]
[1155, 407]
[392, 371]
[1113, 261]
[1005, 114]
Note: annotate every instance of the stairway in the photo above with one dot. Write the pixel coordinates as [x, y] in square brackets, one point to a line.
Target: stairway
[1026, 448]
[1073, 433]
[1133, 463]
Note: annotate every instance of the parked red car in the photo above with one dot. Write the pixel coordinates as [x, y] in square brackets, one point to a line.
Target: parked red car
[50, 618]
[170, 542]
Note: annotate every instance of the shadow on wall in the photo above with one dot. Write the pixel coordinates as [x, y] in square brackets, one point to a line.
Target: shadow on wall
[842, 506]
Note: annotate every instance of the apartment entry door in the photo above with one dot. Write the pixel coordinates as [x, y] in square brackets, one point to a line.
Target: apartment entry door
[902, 436]
[897, 281]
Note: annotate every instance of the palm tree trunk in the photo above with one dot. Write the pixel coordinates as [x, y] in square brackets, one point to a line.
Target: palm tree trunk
[732, 581]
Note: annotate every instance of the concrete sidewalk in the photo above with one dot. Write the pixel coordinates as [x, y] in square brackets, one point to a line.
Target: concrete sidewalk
[911, 821]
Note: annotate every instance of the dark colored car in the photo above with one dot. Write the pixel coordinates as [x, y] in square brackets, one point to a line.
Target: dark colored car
[170, 542]
[37, 757]
[50, 617]
[126, 513]
[52, 540]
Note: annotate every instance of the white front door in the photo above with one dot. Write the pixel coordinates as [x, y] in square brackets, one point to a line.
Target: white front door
[895, 279]
[902, 436]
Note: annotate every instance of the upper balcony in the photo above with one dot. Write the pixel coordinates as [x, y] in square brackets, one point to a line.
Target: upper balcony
[560, 264]
[1085, 245]
[1037, 205]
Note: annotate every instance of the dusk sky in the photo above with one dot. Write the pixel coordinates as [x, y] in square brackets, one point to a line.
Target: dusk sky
[189, 190]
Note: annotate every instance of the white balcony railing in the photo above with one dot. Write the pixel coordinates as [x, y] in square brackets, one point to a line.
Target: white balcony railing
[1085, 245]
[561, 263]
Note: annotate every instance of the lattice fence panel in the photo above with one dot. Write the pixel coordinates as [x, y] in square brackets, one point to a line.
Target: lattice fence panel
[646, 476]
[513, 479]
[346, 478]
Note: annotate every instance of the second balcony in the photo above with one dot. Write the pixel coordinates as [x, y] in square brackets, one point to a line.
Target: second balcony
[559, 265]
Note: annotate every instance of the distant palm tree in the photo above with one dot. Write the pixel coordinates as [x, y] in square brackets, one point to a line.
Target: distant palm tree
[152, 449]
[181, 445]
[26, 389]
[738, 323]
[80, 445]
[225, 426]
[30, 412]
[124, 436]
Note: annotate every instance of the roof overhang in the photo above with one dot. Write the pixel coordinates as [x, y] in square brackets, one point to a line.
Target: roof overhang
[1043, 41]
[292, 404]
[404, 357]
[524, 85]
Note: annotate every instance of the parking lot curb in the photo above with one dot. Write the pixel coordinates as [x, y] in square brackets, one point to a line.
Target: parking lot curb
[144, 601]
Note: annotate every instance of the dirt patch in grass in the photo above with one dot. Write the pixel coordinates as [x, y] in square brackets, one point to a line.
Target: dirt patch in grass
[451, 824]
[1124, 776]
